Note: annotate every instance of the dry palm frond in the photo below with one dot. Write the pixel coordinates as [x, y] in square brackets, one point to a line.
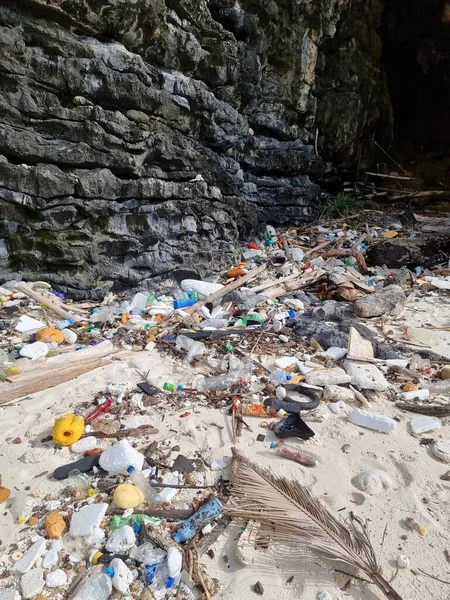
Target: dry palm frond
[296, 518]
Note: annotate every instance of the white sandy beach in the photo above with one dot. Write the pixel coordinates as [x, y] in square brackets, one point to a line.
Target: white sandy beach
[417, 491]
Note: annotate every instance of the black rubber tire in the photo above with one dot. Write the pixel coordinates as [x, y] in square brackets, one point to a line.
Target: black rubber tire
[292, 406]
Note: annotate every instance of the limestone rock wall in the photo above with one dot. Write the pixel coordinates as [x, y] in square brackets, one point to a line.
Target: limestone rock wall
[140, 138]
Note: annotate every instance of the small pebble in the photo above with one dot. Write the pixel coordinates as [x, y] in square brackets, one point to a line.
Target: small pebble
[283, 338]
[258, 588]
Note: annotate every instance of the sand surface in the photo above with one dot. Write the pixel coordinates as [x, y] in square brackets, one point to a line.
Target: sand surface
[417, 492]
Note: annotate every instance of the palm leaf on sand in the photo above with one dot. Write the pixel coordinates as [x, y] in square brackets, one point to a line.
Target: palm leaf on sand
[295, 518]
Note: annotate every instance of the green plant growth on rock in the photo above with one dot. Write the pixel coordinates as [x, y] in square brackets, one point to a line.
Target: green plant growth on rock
[340, 206]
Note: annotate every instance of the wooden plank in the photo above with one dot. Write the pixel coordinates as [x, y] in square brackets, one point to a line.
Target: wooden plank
[58, 309]
[40, 375]
[273, 283]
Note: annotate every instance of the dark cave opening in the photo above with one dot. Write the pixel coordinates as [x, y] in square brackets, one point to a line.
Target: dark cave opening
[416, 59]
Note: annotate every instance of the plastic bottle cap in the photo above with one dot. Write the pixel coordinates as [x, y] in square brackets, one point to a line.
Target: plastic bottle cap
[170, 582]
[109, 571]
[288, 377]
[130, 469]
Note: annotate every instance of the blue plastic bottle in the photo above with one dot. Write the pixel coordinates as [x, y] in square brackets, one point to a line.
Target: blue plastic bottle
[183, 303]
[205, 515]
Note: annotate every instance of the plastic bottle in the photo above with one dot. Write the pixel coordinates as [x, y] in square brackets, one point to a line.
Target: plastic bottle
[194, 348]
[174, 565]
[160, 578]
[97, 587]
[147, 554]
[239, 371]
[440, 387]
[293, 453]
[205, 515]
[183, 303]
[141, 482]
[64, 324]
[19, 507]
[8, 371]
[415, 526]
[81, 483]
[280, 376]
[216, 323]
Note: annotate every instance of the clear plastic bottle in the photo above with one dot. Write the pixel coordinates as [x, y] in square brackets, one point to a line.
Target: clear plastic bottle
[97, 587]
[174, 565]
[294, 453]
[63, 324]
[141, 481]
[194, 348]
[215, 323]
[239, 371]
[280, 376]
[19, 507]
[147, 554]
[440, 387]
[81, 483]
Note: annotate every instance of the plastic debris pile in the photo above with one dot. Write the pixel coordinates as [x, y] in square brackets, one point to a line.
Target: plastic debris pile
[297, 331]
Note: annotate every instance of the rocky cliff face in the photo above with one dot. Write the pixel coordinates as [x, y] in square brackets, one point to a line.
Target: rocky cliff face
[144, 137]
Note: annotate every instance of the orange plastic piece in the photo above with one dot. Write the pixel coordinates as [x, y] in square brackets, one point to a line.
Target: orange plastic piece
[390, 234]
[125, 318]
[253, 246]
[236, 272]
[410, 387]
[48, 335]
[250, 409]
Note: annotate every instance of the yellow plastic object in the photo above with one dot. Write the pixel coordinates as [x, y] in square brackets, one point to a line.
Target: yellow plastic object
[96, 557]
[127, 495]
[390, 234]
[67, 430]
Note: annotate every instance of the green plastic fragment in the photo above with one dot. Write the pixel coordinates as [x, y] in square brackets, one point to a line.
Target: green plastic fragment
[118, 521]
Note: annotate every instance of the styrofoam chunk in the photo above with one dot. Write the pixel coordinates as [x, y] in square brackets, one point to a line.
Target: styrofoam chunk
[380, 423]
[204, 288]
[85, 444]
[121, 540]
[35, 350]
[117, 458]
[27, 323]
[365, 376]
[32, 583]
[324, 377]
[422, 424]
[28, 560]
[87, 520]
[56, 579]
